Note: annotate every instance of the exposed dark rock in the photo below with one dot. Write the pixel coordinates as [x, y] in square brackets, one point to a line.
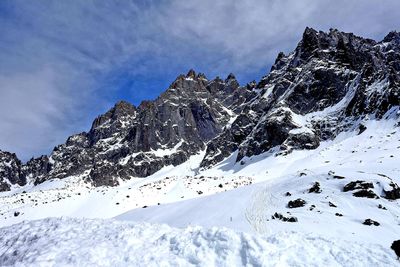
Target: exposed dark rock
[292, 219]
[361, 128]
[339, 214]
[365, 193]
[10, 171]
[302, 140]
[381, 207]
[332, 205]
[338, 177]
[371, 222]
[394, 193]
[296, 203]
[16, 213]
[357, 185]
[315, 188]
[396, 247]
[288, 194]
[279, 216]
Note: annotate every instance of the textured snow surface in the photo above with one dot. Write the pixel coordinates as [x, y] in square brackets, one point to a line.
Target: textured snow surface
[88, 242]
[185, 196]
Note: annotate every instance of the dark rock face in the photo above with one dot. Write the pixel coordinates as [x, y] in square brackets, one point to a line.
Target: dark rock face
[361, 128]
[10, 171]
[332, 205]
[396, 247]
[129, 141]
[381, 207]
[371, 222]
[314, 93]
[296, 203]
[338, 177]
[394, 193]
[138, 141]
[326, 85]
[278, 216]
[37, 168]
[365, 193]
[357, 185]
[316, 188]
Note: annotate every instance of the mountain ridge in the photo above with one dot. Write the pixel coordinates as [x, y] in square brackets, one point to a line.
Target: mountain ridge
[327, 84]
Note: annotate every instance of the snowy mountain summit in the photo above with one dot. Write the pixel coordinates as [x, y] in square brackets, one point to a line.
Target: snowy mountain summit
[309, 154]
[328, 84]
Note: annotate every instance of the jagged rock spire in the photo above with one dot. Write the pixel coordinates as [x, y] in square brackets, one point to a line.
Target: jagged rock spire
[191, 74]
[392, 36]
[231, 76]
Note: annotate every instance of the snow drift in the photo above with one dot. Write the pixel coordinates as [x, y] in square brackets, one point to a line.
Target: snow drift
[85, 242]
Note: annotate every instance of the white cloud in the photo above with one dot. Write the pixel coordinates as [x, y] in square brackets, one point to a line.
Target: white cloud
[30, 102]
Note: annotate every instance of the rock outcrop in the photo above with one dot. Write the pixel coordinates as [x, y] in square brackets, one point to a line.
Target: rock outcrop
[10, 171]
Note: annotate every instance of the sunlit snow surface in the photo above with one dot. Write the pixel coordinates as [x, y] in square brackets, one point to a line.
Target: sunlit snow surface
[186, 196]
[84, 242]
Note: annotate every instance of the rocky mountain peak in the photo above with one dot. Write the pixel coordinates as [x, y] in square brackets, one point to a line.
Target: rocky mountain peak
[231, 80]
[120, 109]
[129, 141]
[331, 78]
[202, 76]
[230, 76]
[124, 107]
[330, 82]
[184, 82]
[191, 74]
[393, 36]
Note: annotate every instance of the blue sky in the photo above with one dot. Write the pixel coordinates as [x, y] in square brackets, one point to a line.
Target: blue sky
[62, 63]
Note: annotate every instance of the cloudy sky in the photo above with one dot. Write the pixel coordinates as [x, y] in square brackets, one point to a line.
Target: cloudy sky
[64, 62]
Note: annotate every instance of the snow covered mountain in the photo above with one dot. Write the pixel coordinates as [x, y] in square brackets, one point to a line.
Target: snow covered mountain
[326, 85]
[130, 141]
[310, 154]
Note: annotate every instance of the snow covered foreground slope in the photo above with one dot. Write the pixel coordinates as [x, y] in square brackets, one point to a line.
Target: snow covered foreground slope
[319, 236]
[371, 157]
[84, 242]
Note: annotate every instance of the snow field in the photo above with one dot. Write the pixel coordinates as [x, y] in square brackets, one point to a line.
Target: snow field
[88, 242]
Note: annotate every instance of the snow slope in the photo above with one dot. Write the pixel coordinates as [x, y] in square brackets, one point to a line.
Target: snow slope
[84, 242]
[72, 197]
[186, 196]
[372, 157]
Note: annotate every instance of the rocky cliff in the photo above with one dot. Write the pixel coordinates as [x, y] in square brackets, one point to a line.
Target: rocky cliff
[129, 141]
[330, 82]
[327, 84]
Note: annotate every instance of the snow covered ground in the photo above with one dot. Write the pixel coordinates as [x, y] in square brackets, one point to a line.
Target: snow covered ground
[85, 242]
[242, 197]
